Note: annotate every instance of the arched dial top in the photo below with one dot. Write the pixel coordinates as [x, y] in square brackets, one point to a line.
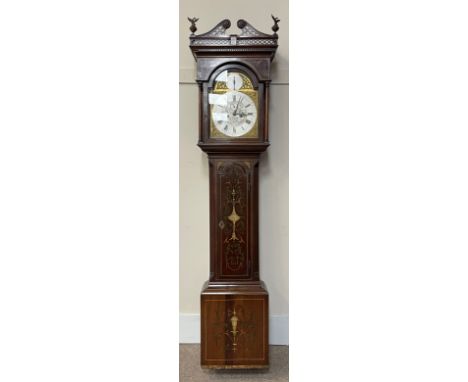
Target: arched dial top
[233, 106]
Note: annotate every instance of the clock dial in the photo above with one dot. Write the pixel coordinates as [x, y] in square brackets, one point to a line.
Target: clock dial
[233, 113]
[234, 106]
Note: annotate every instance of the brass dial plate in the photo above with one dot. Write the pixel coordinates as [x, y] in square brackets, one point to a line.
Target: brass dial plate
[226, 85]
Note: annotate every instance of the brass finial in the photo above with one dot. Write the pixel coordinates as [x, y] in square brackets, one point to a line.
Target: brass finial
[275, 27]
[193, 27]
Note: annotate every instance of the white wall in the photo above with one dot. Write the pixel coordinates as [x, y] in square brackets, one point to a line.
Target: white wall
[193, 165]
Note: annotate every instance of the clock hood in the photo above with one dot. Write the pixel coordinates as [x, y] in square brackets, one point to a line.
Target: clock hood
[248, 43]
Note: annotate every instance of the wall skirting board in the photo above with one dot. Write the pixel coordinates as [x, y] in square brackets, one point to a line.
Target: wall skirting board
[189, 329]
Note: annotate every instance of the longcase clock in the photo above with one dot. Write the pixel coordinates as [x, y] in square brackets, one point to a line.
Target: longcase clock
[233, 75]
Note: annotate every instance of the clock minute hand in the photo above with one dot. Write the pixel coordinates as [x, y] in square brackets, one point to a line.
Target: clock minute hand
[237, 107]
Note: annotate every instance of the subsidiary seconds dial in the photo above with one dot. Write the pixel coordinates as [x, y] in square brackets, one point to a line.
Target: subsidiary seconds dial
[234, 81]
[234, 113]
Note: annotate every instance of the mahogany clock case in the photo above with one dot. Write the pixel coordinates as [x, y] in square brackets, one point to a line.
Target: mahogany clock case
[234, 301]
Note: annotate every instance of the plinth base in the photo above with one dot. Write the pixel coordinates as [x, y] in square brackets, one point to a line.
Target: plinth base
[234, 325]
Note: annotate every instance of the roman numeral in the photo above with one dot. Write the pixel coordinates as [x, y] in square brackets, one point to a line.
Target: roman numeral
[248, 121]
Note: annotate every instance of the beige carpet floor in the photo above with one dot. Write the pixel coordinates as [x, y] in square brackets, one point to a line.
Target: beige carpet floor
[190, 370]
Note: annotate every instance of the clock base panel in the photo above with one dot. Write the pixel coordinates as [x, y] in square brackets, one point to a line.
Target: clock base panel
[234, 326]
